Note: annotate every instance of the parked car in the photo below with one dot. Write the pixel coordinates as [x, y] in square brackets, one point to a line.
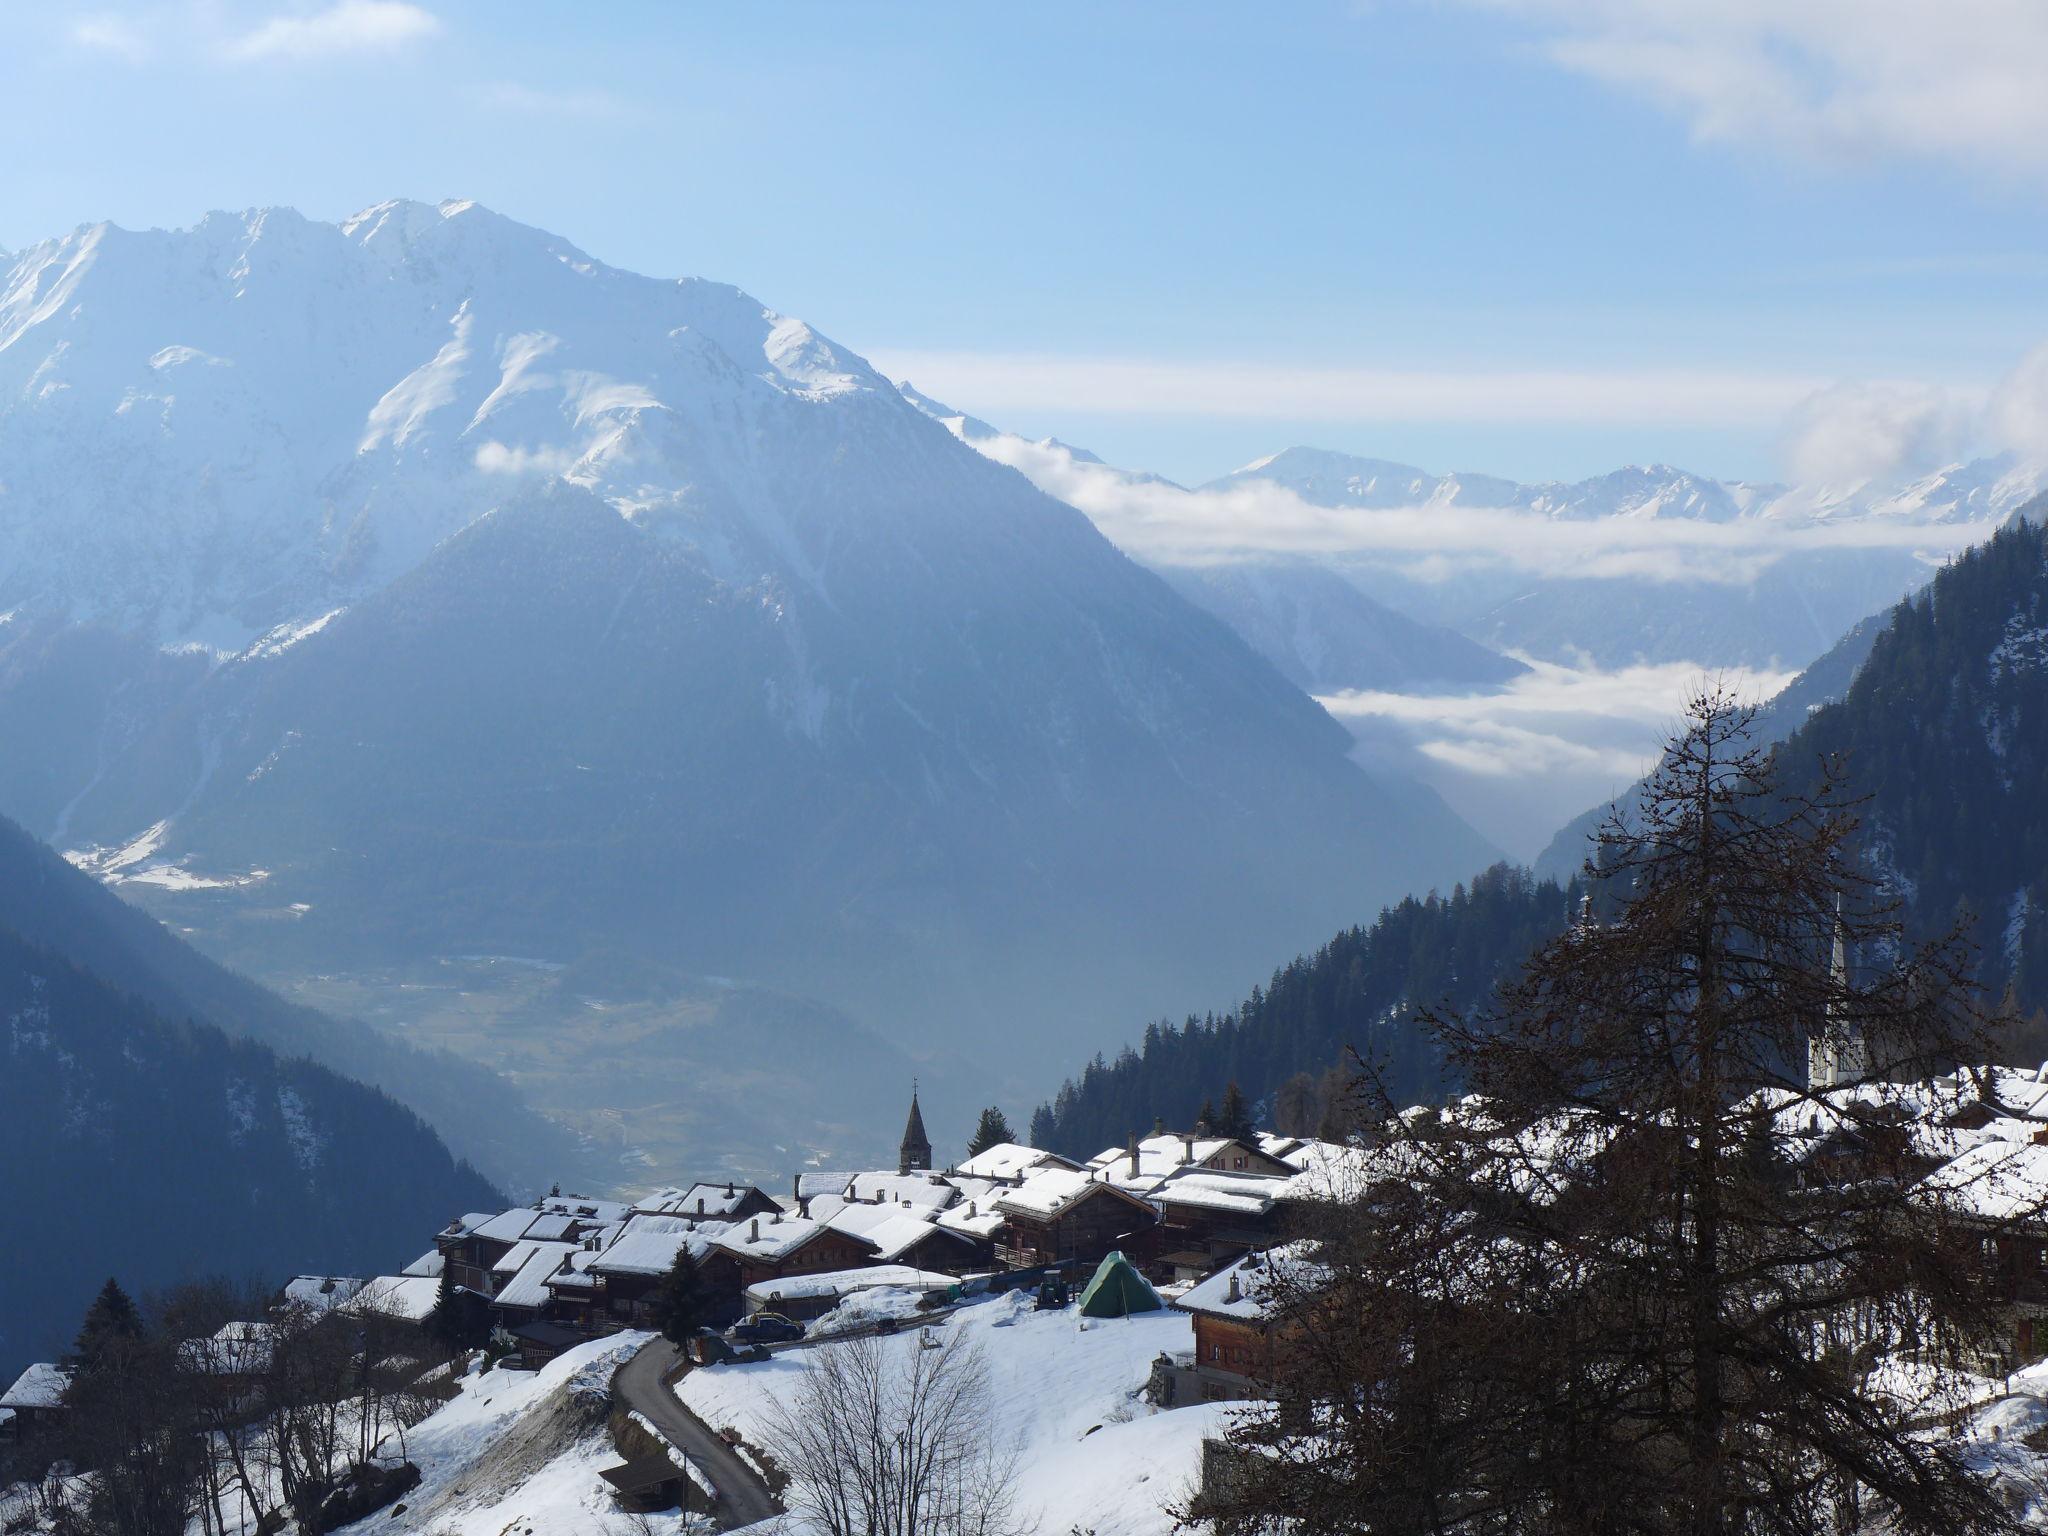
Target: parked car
[765, 1328]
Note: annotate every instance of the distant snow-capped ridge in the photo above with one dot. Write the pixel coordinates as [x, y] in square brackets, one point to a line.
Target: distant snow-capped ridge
[213, 431]
[1982, 490]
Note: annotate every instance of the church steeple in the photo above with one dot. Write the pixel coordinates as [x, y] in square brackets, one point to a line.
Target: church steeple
[915, 1155]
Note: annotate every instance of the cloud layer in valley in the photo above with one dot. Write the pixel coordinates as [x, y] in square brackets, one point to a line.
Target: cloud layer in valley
[1157, 520]
[1522, 761]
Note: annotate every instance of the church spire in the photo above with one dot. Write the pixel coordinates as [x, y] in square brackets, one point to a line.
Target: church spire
[915, 1155]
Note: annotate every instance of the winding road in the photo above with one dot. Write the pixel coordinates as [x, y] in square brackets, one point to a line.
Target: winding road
[743, 1498]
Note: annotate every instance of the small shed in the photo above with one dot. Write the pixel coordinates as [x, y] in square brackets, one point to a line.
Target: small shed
[1118, 1290]
[653, 1482]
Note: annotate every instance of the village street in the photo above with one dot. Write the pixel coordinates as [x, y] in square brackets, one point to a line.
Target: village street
[743, 1498]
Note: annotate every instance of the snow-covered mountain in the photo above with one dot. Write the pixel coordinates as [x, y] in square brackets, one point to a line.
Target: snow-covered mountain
[567, 611]
[1983, 490]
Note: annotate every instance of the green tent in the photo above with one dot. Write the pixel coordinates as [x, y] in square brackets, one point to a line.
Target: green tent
[1118, 1290]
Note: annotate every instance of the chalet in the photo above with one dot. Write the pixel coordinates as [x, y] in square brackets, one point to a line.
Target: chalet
[766, 1248]
[1141, 1165]
[1207, 1218]
[1058, 1215]
[35, 1402]
[471, 1246]
[1240, 1317]
[522, 1294]
[627, 1274]
[2001, 1189]
[907, 1235]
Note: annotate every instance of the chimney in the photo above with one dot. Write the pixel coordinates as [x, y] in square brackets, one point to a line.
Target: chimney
[729, 1190]
[1133, 1150]
[803, 1207]
[1236, 1292]
[796, 1188]
[754, 1231]
[1158, 1126]
[700, 1205]
[1187, 1144]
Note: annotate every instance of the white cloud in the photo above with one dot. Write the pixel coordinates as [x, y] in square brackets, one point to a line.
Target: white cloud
[496, 458]
[1521, 762]
[110, 34]
[1158, 521]
[2018, 412]
[347, 27]
[1956, 80]
[1121, 386]
[1855, 432]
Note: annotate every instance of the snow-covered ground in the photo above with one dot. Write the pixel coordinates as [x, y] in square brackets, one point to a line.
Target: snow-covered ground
[520, 1451]
[1093, 1455]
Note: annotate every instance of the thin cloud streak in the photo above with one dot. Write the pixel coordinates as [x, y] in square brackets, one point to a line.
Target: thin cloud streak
[348, 27]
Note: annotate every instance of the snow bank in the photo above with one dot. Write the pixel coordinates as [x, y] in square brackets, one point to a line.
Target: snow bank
[1093, 1453]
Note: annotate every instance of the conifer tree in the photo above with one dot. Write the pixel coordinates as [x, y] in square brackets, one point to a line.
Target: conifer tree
[1650, 1281]
[1235, 1118]
[681, 1300]
[112, 1324]
[993, 1130]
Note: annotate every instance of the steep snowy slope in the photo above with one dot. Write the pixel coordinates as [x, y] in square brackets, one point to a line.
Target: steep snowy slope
[754, 667]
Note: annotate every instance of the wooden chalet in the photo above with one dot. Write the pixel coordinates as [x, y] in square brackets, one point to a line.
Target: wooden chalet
[1059, 1216]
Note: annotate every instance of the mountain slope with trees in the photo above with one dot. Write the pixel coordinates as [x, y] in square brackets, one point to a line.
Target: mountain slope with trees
[1358, 992]
[46, 902]
[160, 1148]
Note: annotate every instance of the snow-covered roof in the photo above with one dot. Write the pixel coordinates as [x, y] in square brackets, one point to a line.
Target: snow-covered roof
[583, 1209]
[410, 1297]
[844, 1282]
[575, 1275]
[651, 1249]
[1051, 1191]
[507, 1226]
[322, 1293]
[1007, 1160]
[528, 1287]
[429, 1263]
[1243, 1194]
[716, 1200]
[976, 1218]
[1255, 1287]
[929, 1191]
[464, 1225]
[40, 1386]
[769, 1237]
[1996, 1181]
[236, 1349]
[892, 1229]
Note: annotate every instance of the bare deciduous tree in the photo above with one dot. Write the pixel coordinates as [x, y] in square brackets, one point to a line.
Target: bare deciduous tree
[887, 1440]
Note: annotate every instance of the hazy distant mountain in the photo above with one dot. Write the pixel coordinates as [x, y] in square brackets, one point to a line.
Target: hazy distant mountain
[153, 1146]
[1327, 636]
[751, 665]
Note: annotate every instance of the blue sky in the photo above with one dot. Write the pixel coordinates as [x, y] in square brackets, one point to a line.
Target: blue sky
[1538, 237]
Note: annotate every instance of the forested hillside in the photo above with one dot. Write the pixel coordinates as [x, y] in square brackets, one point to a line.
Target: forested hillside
[1945, 729]
[46, 902]
[1359, 992]
[158, 1149]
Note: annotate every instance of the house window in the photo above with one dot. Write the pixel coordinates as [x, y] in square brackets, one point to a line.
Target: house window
[1215, 1354]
